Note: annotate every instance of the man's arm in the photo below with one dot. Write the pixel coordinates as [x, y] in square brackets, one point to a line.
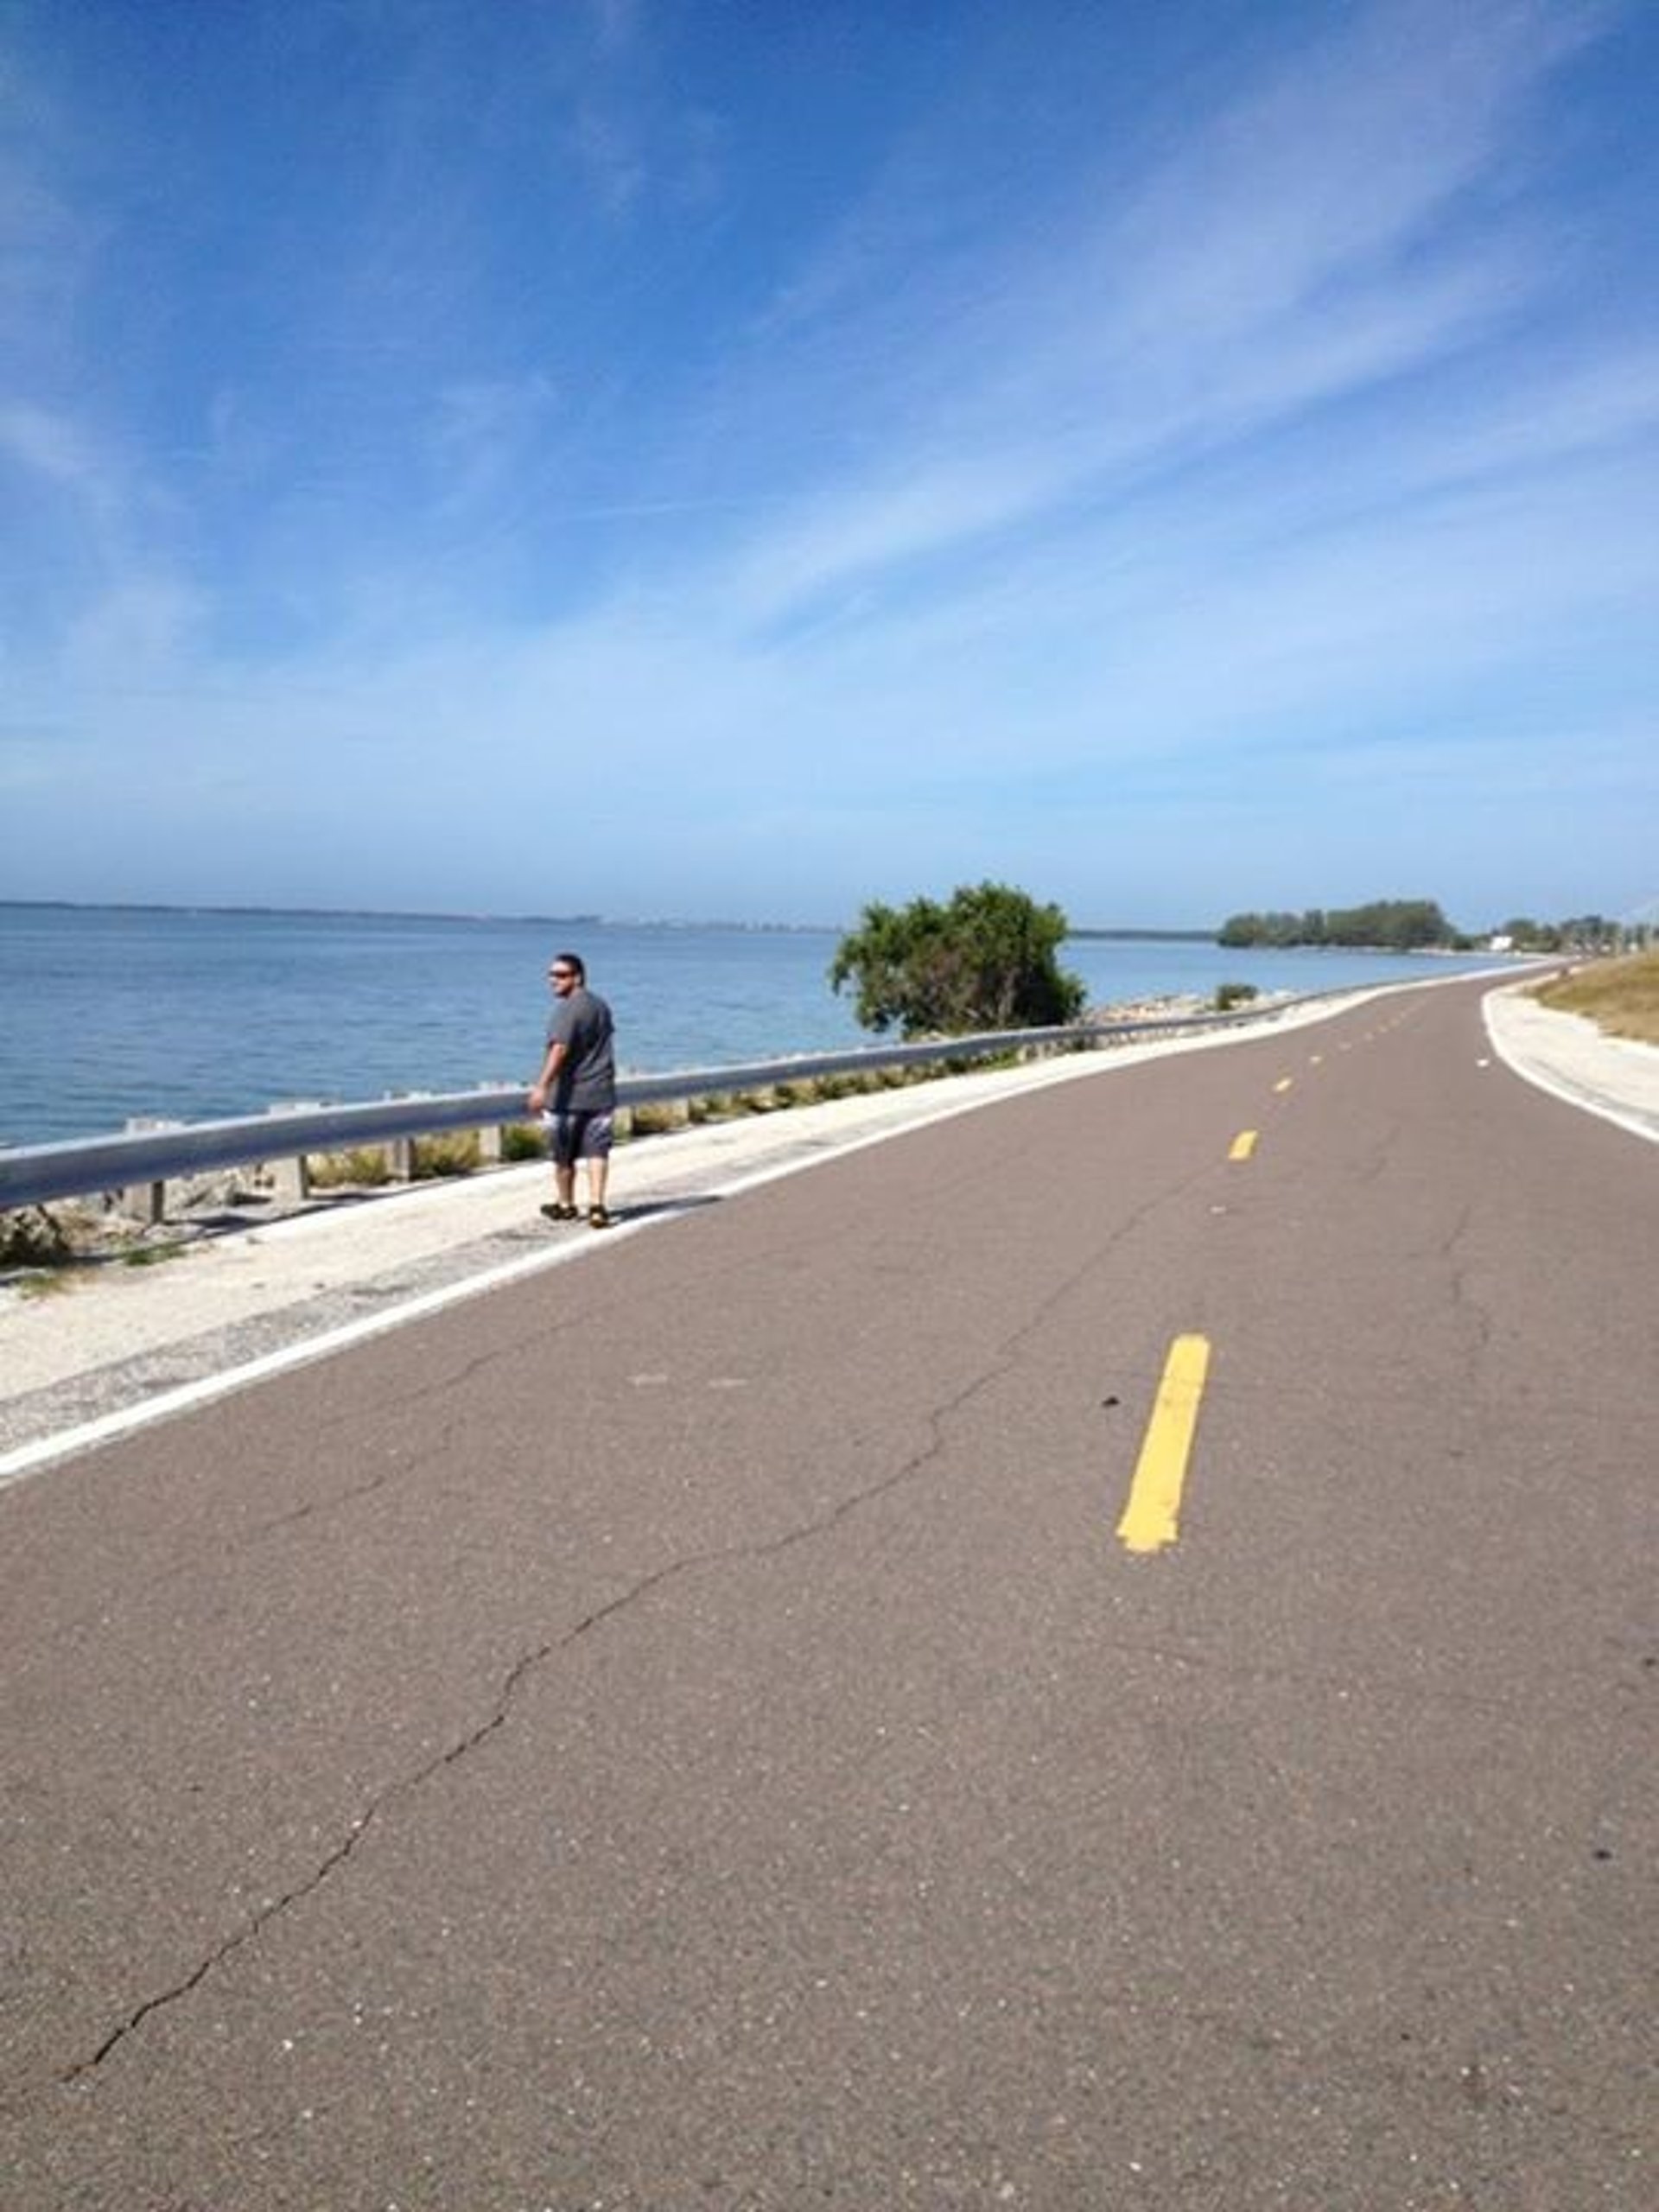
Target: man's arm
[557, 1053]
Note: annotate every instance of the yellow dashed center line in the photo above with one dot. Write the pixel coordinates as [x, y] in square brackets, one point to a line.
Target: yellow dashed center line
[1284, 1083]
[1242, 1145]
[1152, 1517]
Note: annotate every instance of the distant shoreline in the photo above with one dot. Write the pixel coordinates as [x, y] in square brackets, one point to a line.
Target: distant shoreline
[1136, 936]
[288, 913]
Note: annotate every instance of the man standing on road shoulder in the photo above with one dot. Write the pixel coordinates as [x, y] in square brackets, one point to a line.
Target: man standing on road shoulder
[575, 1091]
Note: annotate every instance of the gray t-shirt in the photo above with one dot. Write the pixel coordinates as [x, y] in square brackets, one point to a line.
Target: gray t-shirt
[586, 1082]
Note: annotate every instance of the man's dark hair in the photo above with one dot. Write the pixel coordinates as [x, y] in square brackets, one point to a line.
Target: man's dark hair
[573, 960]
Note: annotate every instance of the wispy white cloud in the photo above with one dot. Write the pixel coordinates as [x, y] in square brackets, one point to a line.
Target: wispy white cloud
[486, 430]
[142, 629]
[51, 445]
[1355, 153]
[605, 144]
[1253, 459]
[43, 243]
[1304, 247]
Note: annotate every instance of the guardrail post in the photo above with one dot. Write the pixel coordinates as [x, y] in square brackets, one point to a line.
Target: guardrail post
[146, 1202]
[290, 1179]
[400, 1151]
[489, 1133]
[291, 1176]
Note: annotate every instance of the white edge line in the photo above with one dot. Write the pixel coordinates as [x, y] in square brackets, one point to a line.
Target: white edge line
[32, 1458]
[29, 1459]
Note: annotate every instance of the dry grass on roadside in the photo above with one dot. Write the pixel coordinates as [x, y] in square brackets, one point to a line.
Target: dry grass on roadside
[1620, 996]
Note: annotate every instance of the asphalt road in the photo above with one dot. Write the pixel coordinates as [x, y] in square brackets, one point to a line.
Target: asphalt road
[775, 1715]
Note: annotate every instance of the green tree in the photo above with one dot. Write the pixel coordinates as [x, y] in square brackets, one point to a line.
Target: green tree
[1529, 936]
[1590, 932]
[1394, 925]
[1271, 929]
[985, 960]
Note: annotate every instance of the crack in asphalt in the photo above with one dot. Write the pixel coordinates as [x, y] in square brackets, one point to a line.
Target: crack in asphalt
[937, 1417]
[512, 1684]
[1477, 1313]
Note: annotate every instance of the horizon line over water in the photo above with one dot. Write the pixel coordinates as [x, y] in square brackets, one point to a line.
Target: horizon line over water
[546, 921]
[190, 1013]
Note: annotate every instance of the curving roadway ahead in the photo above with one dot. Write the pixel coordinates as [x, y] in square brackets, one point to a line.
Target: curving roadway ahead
[1101, 1654]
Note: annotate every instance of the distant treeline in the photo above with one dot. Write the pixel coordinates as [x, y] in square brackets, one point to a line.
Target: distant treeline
[1391, 925]
[1577, 933]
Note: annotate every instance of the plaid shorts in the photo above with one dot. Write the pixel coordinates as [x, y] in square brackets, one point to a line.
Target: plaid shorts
[571, 1137]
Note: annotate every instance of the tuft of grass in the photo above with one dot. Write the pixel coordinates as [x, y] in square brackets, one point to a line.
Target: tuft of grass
[1227, 995]
[656, 1118]
[1620, 996]
[523, 1141]
[368, 1166]
[456, 1152]
[150, 1255]
[333, 1170]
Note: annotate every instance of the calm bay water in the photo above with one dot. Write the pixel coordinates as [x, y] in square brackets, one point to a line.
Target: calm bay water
[115, 1012]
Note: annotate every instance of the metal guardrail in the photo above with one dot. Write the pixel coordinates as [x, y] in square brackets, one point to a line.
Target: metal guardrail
[33, 1174]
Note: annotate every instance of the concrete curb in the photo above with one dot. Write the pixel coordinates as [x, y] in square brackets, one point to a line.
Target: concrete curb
[1565, 1054]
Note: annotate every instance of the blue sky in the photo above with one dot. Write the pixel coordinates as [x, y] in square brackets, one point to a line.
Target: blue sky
[742, 458]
